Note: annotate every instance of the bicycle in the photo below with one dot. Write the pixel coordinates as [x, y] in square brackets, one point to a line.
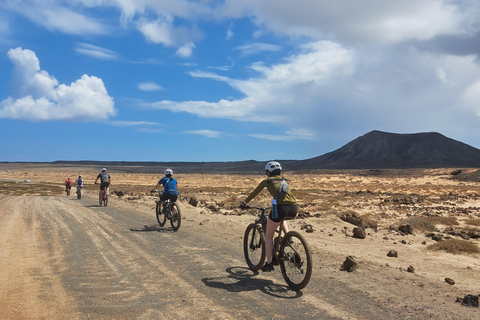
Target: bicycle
[79, 193]
[170, 210]
[103, 198]
[291, 251]
[67, 190]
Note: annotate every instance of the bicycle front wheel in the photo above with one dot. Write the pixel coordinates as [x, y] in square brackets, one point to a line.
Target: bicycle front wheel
[295, 260]
[161, 217]
[176, 218]
[254, 247]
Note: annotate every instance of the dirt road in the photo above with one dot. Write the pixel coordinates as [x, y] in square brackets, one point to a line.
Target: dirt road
[62, 258]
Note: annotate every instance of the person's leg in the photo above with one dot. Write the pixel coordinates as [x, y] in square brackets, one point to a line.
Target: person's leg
[271, 227]
[284, 227]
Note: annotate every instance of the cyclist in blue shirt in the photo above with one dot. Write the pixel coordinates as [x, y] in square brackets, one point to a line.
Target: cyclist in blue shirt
[169, 187]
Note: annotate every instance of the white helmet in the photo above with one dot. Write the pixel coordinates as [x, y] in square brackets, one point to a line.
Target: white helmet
[272, 165]
[168, 171]
[104, 169]
[79, 175]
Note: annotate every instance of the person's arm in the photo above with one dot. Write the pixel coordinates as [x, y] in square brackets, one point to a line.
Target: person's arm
[155, 188]
[257, 190]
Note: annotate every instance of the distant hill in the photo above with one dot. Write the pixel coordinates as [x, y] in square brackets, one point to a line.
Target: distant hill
[374, 150]
[383, 150]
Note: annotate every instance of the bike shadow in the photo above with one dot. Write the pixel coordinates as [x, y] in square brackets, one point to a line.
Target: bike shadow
[240, 279]
[152, 228]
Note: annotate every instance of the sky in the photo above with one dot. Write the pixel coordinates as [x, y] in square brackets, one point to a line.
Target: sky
[231, 80]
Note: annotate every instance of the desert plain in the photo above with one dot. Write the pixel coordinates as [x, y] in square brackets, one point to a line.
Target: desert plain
[65, 258]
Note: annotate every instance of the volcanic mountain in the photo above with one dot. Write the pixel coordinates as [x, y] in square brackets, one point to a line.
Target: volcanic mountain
[383, 150]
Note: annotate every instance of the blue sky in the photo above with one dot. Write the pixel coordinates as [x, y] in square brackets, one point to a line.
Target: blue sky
[205, 80]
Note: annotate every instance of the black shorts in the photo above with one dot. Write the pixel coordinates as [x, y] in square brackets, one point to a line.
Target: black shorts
[285, 212]
[171, 197]
[104, 185]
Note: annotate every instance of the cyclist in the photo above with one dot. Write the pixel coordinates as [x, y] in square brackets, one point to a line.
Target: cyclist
[79, 184]
[286, 207]
[105, 180]
[68, 185]
[169, 187]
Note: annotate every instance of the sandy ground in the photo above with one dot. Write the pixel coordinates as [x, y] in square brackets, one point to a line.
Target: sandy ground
[35, 263]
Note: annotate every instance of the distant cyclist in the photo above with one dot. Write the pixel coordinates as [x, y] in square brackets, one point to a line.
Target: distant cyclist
[68, 185]
[286, 207]
[79, 184]
[105, 180]
[169, 187]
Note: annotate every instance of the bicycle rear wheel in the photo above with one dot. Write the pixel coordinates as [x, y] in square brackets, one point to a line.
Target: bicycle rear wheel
[105, 199]
[295, 260]
[161, 217]
[254, 247]
[176, 218]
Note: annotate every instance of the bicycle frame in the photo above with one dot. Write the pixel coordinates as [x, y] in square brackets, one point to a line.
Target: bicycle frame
[277, 239]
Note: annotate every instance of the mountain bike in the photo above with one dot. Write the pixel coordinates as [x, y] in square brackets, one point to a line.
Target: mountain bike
[170, 210]
[291, 251]
[104, 198]
[67, 190]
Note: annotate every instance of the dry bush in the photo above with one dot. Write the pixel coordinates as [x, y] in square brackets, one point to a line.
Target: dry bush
[370, 220]
[420, 223]
[472, 222]
[446, 221]
[455, 246]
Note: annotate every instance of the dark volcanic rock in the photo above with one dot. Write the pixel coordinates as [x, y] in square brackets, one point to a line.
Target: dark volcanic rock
[350, 264]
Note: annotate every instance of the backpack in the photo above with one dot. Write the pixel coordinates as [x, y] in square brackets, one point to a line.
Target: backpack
[68, 183]
[282, 189]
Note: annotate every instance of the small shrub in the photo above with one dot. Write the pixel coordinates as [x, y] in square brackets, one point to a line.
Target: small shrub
[420, 223]
[472, 222]
[446, 221]
[455, 246]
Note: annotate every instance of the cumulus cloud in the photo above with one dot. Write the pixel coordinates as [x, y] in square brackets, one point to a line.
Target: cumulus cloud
[329, 87]
[269, 97]
[163, 31]
[38, 96]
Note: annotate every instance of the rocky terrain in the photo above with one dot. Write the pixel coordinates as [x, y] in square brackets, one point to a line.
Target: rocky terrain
[394, 230]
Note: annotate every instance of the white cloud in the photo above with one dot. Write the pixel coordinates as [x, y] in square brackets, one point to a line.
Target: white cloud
[149, 86]
[163, 31]
[330, 87]
[230, 33]
[269, 97]
[96, 52]
[291, 135]
[55, 17]
[38, 96]
[353, 21]
[257, 47]
[206, 133]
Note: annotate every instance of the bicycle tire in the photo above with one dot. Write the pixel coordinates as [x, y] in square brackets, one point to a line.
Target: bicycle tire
[176, 219]
[295, 260]
[105, 200]
[79, 195]
[254, 246]
[161, 217]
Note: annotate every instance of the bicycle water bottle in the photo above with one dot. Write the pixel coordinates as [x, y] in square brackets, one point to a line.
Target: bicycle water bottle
[274, 209]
